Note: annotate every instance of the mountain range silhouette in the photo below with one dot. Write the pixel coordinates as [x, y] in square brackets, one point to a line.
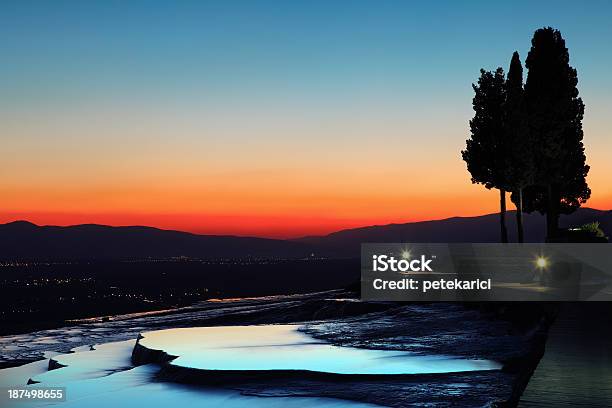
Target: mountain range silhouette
[25, 240]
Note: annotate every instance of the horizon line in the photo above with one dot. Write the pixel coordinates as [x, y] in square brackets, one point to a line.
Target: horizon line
[290, 238]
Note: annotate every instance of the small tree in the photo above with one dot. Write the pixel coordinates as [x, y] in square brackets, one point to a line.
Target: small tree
[519, 165]
[485, 152]
[554, 114]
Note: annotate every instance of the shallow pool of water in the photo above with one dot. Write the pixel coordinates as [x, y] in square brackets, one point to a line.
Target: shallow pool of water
[104, 376]
[284, 347]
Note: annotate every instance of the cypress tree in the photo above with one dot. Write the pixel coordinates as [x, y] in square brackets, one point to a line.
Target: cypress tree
[519, 165]
[554, 116]
[485, 152]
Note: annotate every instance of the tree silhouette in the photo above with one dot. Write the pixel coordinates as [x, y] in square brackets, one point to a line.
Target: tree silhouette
[554, 115]
[519, 164]
[485, 152]
[573, 194]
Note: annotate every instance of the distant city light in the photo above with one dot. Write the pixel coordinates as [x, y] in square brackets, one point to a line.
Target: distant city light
[405, 254]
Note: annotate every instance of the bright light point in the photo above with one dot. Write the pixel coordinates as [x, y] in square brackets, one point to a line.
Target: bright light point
[541, 262]
[406, 254]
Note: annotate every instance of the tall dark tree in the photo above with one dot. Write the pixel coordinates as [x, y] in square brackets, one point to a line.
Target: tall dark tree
[554, 115]
[485, 152]
[519, 163]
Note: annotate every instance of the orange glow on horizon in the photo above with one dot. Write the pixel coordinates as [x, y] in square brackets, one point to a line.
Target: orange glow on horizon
[241, 225]
[269, 212]
[260, 225]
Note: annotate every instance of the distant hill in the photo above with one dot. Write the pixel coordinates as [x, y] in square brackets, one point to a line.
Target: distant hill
[22, 239]
[484, 228]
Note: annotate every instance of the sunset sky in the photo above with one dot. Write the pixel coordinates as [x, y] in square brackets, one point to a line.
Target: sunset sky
[269, 118]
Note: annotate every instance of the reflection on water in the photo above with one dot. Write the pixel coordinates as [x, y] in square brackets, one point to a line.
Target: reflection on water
[85, 363]
[137, 387]
[104, 376]
[18, 376]
[284, 347]
[134, 392]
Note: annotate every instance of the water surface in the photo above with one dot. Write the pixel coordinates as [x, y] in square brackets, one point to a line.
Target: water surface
[284, 347]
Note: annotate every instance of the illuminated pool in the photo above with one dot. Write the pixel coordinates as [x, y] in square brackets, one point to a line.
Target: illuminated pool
[103, 375]
[284, 347]
[103, 378]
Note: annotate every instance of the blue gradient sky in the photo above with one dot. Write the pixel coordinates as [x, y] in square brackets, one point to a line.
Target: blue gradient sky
[281, 112]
